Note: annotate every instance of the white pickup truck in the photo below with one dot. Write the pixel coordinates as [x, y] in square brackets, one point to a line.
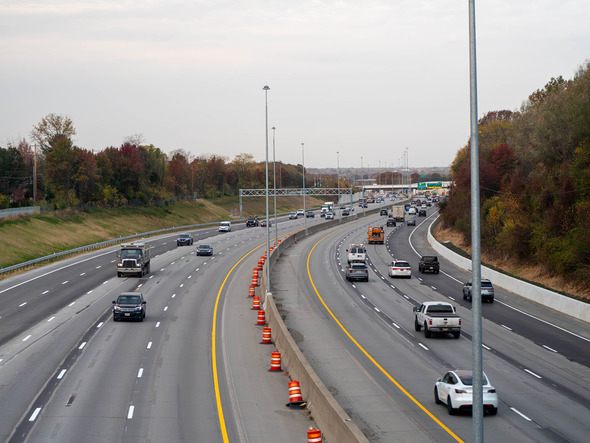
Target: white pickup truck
[437, 316]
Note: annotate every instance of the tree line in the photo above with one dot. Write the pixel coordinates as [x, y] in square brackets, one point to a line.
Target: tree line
[534, 180]
[68, 175]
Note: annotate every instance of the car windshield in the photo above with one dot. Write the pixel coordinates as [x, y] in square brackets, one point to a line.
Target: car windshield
[131, 253]
[184, 236]
[204, 247]
[128, 299]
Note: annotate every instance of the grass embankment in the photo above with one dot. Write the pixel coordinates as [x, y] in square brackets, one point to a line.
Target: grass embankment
[27, 238]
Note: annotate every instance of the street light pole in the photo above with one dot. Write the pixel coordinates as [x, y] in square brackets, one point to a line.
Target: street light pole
[303, 165]
[265, 89]
[274, 180]
[338, 178]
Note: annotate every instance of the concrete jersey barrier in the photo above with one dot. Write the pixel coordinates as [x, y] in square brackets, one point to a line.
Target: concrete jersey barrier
[551, 299]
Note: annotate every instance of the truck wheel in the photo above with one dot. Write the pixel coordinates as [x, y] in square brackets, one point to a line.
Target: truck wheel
[437, 271]
[457, 334]
[118, 275]
[427, 332]
[417, 326]
[148, 269]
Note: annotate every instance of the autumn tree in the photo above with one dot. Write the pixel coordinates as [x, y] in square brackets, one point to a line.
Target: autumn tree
[50, 129]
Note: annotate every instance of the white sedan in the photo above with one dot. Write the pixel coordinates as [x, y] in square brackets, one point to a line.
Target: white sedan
[455, 390]
[400, 268]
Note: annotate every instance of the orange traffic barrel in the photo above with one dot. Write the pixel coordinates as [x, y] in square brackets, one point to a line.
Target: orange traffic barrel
[255, 280]
[295, 398]
[266, 336]
[256, 303]
[252, 291]
[275, 361]
[314, 435]
[261, 318]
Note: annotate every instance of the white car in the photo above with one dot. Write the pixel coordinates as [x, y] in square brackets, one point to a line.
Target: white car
[400, 268]
[225, 226]
[329, 216]
[300, 212]
[455, 390]
[293, 216]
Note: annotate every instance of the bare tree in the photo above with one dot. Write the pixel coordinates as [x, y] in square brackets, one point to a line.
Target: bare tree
[52, 128]
[135, 139]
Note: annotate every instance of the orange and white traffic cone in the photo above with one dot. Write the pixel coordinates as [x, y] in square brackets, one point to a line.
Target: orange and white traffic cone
[266, 336]
[295, 398]
[261, 317]
[275, 361]
[314, 435]
[256, 303]
[252, 291]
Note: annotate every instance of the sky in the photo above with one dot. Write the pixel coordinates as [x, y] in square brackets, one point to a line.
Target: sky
[355, 81]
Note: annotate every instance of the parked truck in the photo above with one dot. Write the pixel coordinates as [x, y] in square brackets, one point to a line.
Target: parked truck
[437, 316]
[133, 258]
[398, 213]
[376, 235]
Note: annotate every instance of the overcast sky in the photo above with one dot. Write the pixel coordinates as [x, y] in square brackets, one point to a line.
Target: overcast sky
[365, 78]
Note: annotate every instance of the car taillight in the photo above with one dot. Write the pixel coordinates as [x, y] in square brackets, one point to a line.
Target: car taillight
[491, 391]
[460, 391]
[430, 322]
[459, 322]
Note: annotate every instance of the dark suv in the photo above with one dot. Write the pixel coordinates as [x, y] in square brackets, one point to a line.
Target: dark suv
[487, 290]
[184, 240]
[252, 221]
[129, 305]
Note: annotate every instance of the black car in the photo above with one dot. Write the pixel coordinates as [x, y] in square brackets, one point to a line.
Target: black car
[252, 221]
[204, 250]
[345, 212]
[184, 240]
[129, 305]
[422, 213]
[310, 214]
[390, 222]
[383, 212]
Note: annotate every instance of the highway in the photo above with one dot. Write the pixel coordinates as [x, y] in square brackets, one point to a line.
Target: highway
[195, 369]
[382, 371]
[69, 373]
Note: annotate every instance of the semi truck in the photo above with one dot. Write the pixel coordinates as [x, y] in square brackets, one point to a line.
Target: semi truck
[133, 258]
[398, 213]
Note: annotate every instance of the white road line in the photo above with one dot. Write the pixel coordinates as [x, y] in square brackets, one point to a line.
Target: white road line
[196, 269]
[61, 374]
[149, 345]
[63, 283]
[165, 308]
[72, 304]
[151, 276]
[406, 297]
[173, 295]
[50, 319]
[140, 373]
[27, 337]
[504, 326]
[98, 267]
[22, 304]
[89, 292]
[100, 324]
[521, 414]
[158, 325]
[550, 349]
[83, 273]
[433, 287]
[533, 374]
[82, 345]
[181, 285]
[376, 309]
[45, 292]
[130, 413]
[422, 346]
[395, 325]
[105, 282]
[34, 414]
[451, 298]
[486, 347]
[189, 276]
[162, 269]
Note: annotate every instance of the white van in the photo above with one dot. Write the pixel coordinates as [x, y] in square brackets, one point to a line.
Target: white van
[356, 253]
[225, 226]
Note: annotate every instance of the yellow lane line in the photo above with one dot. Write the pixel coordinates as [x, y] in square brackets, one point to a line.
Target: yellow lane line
[394, 381]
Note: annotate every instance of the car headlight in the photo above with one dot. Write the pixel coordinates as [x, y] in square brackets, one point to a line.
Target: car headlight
[119, 265]
[117, 308]
[138, 308]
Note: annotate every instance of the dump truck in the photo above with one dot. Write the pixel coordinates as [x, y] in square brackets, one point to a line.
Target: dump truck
[376, 235]
[133, 258]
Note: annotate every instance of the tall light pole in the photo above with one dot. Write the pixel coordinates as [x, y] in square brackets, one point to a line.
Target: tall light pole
[303, 165]
[274, 180]
[265, 89]
[338, 178]
[476, 342]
